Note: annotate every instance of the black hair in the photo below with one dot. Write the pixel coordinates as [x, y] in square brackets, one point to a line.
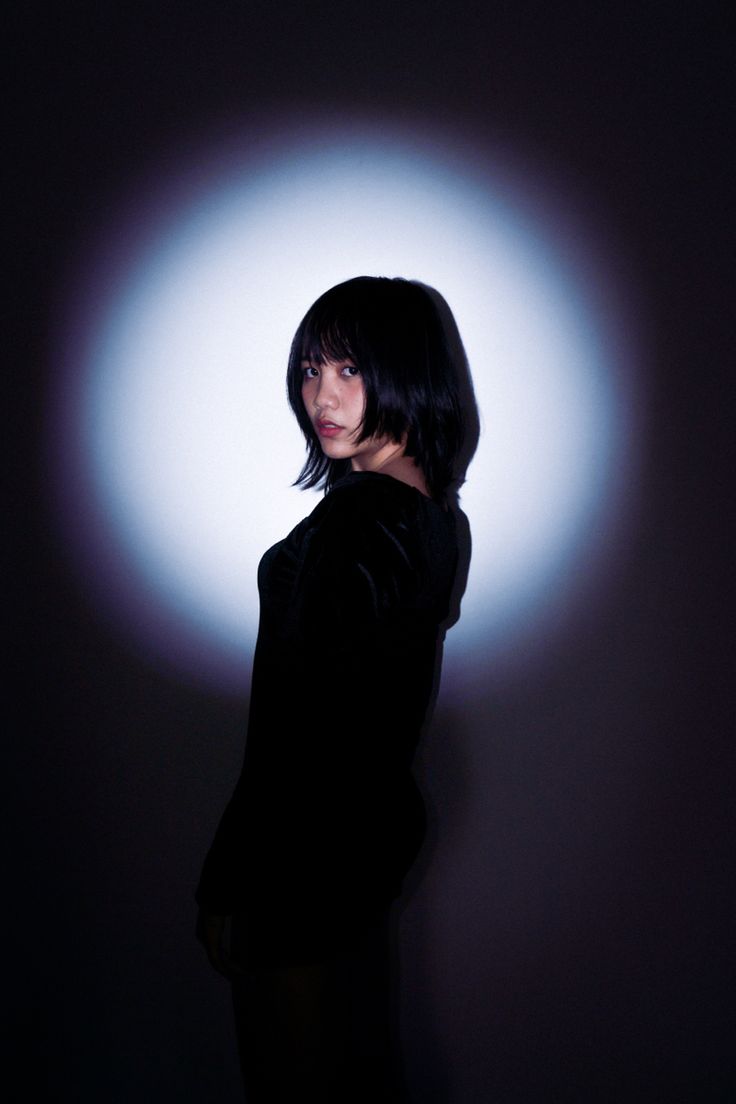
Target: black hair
[392, 331]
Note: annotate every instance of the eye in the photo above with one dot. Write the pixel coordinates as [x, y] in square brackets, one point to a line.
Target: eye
[350, 370]
[310, 372]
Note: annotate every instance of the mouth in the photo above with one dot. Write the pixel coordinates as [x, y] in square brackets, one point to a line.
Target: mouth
[327, 429]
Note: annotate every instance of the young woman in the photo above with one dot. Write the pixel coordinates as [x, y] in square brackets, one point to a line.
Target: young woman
[326, 818]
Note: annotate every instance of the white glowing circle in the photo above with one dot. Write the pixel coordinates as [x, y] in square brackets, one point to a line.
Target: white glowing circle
[172, 426]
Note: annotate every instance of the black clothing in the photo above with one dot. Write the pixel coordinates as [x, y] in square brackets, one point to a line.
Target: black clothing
[326, 818]
[345, 1053]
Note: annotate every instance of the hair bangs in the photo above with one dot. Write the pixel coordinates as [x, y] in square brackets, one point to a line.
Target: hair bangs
[327, 336]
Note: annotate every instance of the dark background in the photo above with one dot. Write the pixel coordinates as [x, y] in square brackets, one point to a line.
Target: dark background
[578, 943]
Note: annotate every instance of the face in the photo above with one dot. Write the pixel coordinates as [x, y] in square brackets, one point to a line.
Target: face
[334, 398]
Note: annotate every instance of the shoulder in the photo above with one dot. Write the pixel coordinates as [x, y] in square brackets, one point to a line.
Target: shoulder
[368, 522]
[367, 509]
[373, 519]
[369, 495]
[378, 545]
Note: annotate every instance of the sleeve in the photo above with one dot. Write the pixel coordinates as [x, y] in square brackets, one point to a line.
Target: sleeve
[222, 882]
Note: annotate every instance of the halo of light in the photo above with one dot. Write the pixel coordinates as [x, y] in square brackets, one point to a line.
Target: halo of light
[172, 447]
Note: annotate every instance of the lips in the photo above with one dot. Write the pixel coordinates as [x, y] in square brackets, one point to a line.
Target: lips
[328, 429]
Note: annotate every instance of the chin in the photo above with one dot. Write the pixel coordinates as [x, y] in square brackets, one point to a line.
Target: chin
[335, 452]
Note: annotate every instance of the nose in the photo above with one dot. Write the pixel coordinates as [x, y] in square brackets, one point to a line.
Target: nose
[325, 395]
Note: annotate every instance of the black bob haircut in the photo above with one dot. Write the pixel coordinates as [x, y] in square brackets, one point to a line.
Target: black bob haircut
[392, 331]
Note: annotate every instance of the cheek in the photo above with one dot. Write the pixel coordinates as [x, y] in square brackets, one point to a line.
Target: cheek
[359, 400]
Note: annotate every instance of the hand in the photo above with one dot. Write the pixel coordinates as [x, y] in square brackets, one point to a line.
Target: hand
[211, 934]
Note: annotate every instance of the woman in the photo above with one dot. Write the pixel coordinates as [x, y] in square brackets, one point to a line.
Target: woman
[326, 819]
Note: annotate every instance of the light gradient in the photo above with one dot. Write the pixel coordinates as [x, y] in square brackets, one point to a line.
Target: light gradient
[172, 448]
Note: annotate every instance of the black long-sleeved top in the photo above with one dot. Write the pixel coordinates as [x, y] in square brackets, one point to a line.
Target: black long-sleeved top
[326, 813]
